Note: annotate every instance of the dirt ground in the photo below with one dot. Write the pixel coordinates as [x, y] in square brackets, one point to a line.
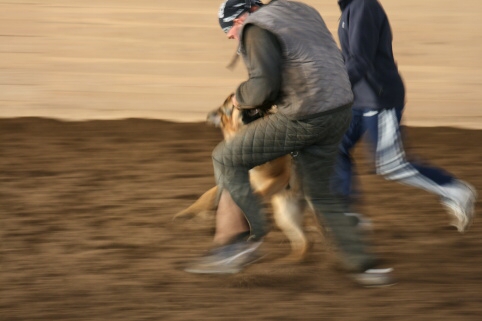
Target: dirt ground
[87, 233]
[86, 230]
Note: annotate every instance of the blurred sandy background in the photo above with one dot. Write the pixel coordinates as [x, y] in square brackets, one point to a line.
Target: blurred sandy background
[86, 229]
[110, 59]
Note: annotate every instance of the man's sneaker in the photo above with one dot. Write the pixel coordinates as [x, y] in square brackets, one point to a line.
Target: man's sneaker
[460, 204]
[374, 278]
[227, 259]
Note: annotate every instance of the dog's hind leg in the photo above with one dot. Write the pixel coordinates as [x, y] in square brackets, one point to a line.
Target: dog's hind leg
[288, 214]
[203, 206]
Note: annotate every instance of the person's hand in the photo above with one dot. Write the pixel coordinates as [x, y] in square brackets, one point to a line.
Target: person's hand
[234, 101]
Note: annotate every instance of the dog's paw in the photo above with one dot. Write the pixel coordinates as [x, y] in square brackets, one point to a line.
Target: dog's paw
[183, 215]
[205, 215]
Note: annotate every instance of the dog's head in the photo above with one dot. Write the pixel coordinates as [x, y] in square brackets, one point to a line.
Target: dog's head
[230, 119]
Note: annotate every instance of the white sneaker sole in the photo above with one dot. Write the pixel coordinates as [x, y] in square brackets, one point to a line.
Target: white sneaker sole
[375, 278]
[227, 265]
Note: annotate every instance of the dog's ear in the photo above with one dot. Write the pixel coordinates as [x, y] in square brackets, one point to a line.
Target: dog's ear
[214, 118]
[227, 107]
[228, 101]
[227, 110]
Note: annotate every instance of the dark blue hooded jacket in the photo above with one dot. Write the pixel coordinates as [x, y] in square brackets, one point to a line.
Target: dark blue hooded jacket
[366, 43]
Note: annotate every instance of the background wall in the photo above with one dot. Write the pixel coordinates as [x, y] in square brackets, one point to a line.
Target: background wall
[108, 59]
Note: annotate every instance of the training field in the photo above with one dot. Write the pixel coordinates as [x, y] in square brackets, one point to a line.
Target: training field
[102, 141]
[87, 233]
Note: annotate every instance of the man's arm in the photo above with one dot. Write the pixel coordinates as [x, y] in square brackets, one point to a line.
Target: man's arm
[264, 58]
[364, 27]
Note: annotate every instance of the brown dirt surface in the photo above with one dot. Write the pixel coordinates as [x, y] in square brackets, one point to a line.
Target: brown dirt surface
[87, 233]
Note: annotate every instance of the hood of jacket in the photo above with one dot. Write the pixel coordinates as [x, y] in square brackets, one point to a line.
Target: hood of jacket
[343, 3]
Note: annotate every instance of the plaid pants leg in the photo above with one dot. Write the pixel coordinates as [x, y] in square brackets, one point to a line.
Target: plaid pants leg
[392, 163]
[315, 141]
[315, 166]
[257, 143]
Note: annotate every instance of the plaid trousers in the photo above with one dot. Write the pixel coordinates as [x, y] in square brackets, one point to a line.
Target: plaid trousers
[382, 128]
[315, 142]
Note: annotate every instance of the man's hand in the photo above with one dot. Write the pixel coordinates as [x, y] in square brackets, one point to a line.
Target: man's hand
[234, 101]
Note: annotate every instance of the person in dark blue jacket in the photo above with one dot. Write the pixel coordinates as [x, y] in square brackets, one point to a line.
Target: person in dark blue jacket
[379, 98]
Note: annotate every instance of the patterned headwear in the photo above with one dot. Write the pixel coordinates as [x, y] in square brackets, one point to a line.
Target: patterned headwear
[232, 9]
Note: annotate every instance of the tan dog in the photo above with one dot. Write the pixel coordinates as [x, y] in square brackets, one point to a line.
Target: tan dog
[273, 180]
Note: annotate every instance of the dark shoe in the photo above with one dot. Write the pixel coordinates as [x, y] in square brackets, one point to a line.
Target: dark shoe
[228, 259]
[374, 278]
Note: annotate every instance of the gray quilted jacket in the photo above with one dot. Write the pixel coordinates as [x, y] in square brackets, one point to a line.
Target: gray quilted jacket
[314, 78]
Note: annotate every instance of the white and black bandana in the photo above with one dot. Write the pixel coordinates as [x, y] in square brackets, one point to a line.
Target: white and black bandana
[232, 9]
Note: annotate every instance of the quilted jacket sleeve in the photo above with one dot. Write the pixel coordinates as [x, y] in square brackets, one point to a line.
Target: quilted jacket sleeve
[264, 59]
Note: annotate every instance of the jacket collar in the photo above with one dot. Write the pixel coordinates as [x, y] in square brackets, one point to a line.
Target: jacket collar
[344, 3]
